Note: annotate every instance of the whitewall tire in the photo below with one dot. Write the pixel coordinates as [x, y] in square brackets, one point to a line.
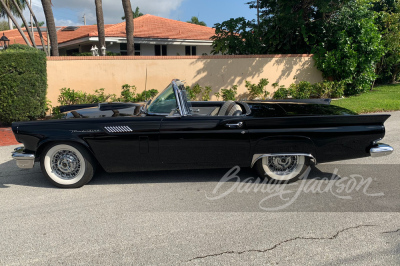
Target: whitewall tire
[282, 168]
[67, 165]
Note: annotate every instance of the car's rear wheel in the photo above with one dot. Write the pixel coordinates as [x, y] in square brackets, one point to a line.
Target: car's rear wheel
[282, 168]
[67, 165]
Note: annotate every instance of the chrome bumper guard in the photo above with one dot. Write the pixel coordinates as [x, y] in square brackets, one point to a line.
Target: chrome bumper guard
[380, 150]
[24, 160]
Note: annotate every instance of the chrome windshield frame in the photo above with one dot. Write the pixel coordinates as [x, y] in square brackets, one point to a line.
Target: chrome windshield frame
[181, 100]
[181, 103]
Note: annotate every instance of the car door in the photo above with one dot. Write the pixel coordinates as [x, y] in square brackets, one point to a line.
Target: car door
[197, 142]
[128, 144]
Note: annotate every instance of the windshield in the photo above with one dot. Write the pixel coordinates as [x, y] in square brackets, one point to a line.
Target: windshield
[164, 103]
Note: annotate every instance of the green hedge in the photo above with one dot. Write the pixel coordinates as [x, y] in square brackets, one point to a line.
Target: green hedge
[23, 84]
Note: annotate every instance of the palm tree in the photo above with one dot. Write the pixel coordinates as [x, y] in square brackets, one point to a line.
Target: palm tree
[195, 20]
[129, 26]
[10, 15]
[136, 14]
[100, 23]
[37, 25]
[51, 26]
[16, 5]
[13, 9]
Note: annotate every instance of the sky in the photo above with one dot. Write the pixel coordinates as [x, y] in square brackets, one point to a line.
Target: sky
[71, 12]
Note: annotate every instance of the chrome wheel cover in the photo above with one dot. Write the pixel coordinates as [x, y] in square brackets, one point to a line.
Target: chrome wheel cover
[65, 164]
[282, 165]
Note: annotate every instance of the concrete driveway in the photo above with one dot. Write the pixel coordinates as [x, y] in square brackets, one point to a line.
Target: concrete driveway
[345, 213]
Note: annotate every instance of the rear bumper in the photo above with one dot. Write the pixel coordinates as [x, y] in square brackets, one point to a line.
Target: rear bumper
[24, 160]
[380, 150]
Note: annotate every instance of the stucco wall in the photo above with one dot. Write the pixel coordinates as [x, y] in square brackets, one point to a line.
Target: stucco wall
[219, 72]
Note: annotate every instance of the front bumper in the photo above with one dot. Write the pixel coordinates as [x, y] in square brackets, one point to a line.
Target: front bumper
[24, 160]
[380, 150]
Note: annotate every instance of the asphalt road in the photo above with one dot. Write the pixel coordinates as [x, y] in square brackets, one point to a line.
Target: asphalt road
[345, 213]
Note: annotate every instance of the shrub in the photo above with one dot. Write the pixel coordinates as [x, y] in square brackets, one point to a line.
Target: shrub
[21, 47]
[206, 94]
[281, 93]
[194, 92]
[128, 94]
[329, 89]
[302, 90]
[71, 97]
[229, 94]
[146, 95]
[258, 90]
[23, 84]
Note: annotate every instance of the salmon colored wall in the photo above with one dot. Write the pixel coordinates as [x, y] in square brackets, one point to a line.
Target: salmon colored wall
[220, 72]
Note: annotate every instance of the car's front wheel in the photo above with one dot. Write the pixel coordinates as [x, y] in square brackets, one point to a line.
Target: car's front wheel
[67, 165]
[282, 168]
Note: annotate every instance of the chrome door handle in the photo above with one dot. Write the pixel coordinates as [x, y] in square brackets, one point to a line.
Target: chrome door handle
[238, 125]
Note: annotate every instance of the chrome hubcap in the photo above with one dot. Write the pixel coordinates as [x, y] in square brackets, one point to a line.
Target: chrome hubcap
[65, 164]
[282, 165]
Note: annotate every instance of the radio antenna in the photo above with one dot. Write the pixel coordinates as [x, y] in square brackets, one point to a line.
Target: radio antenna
[145, 87]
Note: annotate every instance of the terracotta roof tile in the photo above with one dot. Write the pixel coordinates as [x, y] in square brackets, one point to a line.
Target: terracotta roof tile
[147, 26]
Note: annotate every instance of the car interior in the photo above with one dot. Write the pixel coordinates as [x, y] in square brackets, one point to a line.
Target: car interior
[174, 101]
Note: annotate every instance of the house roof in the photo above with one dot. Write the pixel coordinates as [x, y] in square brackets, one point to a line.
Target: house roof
[147, 26]
[15, 37]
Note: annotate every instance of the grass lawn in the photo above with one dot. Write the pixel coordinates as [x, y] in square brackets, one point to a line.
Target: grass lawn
[380, 99]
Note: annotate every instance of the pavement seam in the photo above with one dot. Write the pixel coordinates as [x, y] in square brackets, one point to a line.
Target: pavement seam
[392, 232]
[281, 243]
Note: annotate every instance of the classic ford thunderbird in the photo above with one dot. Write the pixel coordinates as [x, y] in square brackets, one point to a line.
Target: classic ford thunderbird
[277, 138]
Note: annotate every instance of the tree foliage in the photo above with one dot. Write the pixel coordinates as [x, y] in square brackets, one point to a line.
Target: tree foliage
[41, 23]
[195, 20]
[237, 36]
[3, 25]
[11, 6]
[350, 47]
[135, 14]
[388, 21]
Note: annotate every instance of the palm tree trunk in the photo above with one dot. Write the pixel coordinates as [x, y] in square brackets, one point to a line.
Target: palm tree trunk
[38, 28]
[10, 15]
[129, 26]
[51, 26]
[25, 23]
[100, 24]
[10, 23]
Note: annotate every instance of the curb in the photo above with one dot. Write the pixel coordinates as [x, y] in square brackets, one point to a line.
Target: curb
[7, 137]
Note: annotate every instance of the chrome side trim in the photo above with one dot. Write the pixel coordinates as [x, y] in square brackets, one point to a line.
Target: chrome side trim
[257, 157]
[381, 150]
[24, 160]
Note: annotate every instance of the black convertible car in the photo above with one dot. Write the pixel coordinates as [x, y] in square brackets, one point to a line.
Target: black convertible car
[278, 139]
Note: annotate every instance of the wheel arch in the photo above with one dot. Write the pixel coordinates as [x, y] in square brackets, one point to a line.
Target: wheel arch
[46, 142]
[283, 146]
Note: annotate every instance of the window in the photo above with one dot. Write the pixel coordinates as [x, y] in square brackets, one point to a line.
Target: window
[190, 50]
[160, 50]
[123, 47]
[137, 48]
[164, 103]
[73, 51]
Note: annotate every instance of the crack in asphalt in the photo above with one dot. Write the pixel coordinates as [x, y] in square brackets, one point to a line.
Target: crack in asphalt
[392, 232]
[281, 243]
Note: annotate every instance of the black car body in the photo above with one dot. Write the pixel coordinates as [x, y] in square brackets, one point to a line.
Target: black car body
[172, 133]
